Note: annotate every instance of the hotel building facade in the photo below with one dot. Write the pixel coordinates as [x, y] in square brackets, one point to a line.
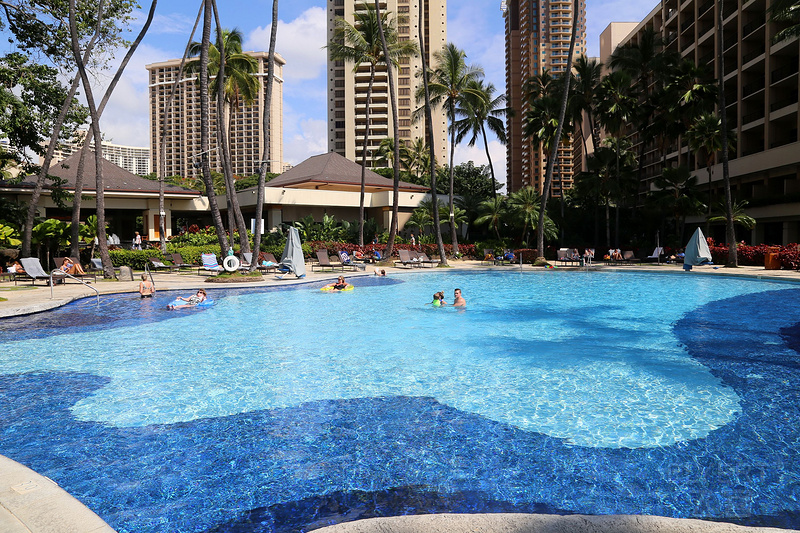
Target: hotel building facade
[134, 159]
[761, 98]
[347, 88]
[182, 120]
[537, 37]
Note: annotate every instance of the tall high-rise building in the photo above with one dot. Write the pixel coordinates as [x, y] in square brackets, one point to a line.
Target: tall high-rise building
[537, 38]
[182, 135]
[347, 89]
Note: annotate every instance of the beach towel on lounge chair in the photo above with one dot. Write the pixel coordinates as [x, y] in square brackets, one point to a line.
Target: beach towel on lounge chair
[347, 261]
[210, 264]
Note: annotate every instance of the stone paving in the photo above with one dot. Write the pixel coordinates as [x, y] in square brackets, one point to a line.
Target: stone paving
[30, 503]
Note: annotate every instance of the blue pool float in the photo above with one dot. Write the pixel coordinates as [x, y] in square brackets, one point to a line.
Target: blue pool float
[205, 303]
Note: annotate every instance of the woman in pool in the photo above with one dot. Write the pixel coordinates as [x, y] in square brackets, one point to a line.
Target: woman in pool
[146, 287]
[340, 285]
[191, 301]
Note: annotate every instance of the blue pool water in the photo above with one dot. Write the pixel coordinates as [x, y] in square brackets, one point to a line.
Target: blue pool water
[286, 410]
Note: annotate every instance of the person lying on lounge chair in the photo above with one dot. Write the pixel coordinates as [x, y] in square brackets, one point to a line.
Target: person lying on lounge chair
[191, 301]
[71, 268]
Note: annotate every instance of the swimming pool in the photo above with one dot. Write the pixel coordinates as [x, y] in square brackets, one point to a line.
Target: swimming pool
[283, 410]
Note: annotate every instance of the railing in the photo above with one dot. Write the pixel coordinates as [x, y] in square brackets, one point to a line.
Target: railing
[783, 72]
[752, 55]
[783, 103]
[62, 274]
[747, 29]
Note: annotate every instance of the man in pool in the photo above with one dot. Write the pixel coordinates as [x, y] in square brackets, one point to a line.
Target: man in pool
[458, 300]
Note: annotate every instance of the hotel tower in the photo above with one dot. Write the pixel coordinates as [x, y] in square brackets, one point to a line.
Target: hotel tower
[183, 122]
[537, 38]
[347, 89]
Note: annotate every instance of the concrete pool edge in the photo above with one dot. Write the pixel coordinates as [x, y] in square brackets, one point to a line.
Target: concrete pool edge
[539, 523]
[32, 503]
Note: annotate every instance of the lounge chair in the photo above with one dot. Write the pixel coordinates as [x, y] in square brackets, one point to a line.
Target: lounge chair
[157, 264]
[178, 262]
[406, 259]
[210, 264]
[656, 255]
[89, 274]
[488, 256]
[424, 260]
[628, 257]
[323, 262]
[96, 265]
[34, 271]
[563, 256]
[347, 261]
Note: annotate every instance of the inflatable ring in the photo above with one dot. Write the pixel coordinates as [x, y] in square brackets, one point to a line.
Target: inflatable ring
[331, 289]
[231, 263]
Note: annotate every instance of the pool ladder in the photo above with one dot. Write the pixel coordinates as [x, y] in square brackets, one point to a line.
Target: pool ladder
[62, 274]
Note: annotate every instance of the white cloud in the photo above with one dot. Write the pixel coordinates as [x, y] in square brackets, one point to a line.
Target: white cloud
[300, 43]
[309, 137]
[477, 154]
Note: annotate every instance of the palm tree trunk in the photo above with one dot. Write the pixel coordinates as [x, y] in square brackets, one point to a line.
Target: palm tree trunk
[396, 132]
[608, 225]
[548, 177]
[453, 233]
[364, 158]
[489, 157]
[616, 204]
[224, 144]
[262, 174]
[162, 146]
[730, 234]
[429, 127]
[76, 202]
[205, 125]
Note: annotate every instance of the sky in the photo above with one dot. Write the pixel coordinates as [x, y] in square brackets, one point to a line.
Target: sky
[476, 26]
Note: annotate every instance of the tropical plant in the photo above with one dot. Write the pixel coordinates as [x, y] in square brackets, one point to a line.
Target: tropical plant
[9, 236]
[360, 43]
[678, 194]
[588, 73]
[451, 84]
[739, 215]
[525, 205]
[50, 234]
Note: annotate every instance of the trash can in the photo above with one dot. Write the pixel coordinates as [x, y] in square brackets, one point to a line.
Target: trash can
[771, 261]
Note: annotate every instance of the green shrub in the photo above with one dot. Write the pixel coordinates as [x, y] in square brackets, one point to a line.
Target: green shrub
[136, 259]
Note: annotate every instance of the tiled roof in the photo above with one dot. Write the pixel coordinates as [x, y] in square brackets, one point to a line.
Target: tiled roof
[332, 169]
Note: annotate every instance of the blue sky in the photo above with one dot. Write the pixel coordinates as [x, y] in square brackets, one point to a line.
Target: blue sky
[476, 26]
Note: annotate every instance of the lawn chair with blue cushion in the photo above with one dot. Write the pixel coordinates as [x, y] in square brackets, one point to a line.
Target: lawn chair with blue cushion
[348, 261]
[210, 264]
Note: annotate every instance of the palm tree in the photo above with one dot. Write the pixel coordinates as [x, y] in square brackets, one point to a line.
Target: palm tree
[705, 138]
[739, 215]
[266, 130]
[417, 158]
[481, 109]
[730, 233]
[426, 98]
[525, 204]
[360, 43]
[493, 211]
[618, 102]
[451, 85]
[236, 72]
[548, 176]
[588, 73]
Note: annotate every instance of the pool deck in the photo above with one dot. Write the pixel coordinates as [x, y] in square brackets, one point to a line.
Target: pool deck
[31, 503]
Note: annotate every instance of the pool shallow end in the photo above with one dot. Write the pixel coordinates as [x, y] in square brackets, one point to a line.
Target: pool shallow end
[533, 523]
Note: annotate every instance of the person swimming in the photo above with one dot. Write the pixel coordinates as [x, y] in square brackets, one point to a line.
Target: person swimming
[438, 299]
[191, 301]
